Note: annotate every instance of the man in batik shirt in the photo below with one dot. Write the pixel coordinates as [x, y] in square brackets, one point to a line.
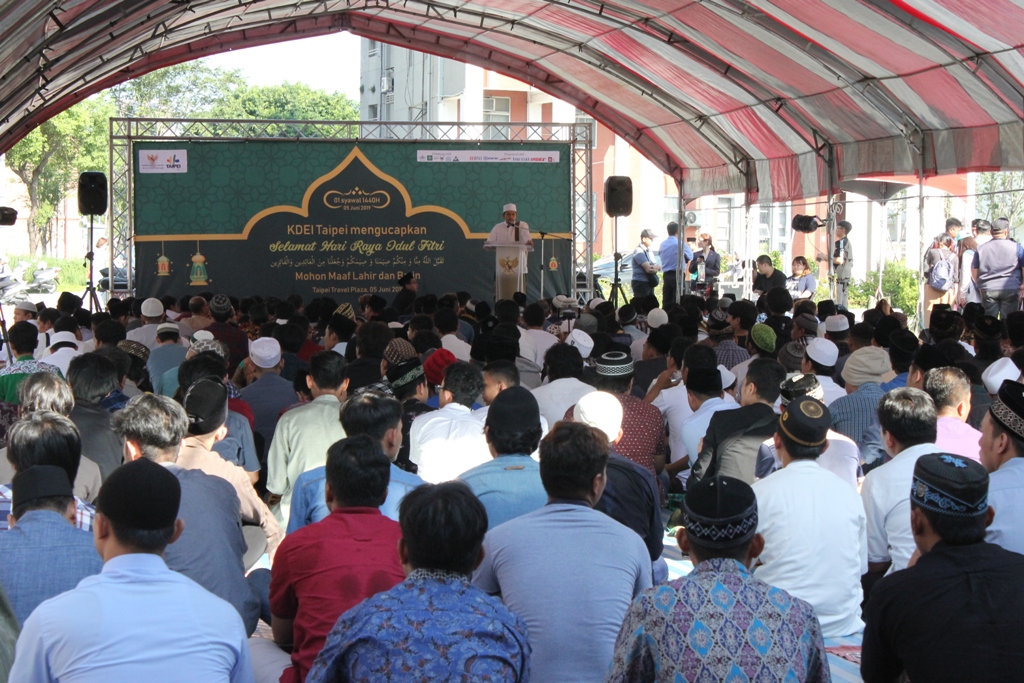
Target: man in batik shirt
[435, 625]
[719, 623]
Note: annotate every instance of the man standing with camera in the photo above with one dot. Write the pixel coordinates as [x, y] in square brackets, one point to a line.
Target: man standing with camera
[645, 270]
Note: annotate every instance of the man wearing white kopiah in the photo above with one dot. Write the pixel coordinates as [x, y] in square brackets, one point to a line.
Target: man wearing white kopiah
[512, 242]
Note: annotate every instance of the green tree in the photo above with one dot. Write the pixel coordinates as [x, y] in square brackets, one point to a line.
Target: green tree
[1009, 201]
[288, 102]
[899, 287]
[188, 90]
[49, 159]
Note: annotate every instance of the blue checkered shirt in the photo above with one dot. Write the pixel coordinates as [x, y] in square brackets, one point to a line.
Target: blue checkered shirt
[729, 354]
[854, 413]
[84, 512]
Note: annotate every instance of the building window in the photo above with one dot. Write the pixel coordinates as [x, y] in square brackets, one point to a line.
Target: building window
[671, 214]
[497, 110]
[371, 112]
[372, 47]
[723, 224]
[582, 118]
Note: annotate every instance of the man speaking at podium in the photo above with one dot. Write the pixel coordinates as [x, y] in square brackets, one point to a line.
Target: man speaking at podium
[511, 242]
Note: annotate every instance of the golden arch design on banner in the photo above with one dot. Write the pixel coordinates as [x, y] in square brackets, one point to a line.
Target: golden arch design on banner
[355, 155]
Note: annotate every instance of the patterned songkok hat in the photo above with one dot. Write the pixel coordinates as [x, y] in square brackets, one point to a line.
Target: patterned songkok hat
[720, 512]
[806, 421]
[403, 374]
[950, 485]
[1008, 407]
[615, 364]
[399, 350]
[796, 386]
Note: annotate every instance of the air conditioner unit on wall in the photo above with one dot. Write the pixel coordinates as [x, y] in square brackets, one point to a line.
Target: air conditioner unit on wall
[387, 84]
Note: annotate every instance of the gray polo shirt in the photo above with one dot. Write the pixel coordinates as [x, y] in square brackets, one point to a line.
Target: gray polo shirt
[571, 573]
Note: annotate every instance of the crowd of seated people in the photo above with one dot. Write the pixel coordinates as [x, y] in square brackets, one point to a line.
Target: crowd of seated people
[453, 489]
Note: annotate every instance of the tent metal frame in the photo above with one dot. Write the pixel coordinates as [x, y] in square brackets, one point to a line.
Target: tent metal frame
[125, 131]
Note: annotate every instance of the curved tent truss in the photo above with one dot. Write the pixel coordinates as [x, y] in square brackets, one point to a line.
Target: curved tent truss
[780, 99]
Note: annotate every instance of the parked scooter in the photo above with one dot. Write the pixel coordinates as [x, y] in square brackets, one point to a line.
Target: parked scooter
[12, 284]
[44, 280]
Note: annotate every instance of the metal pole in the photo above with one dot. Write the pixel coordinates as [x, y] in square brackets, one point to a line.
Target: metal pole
[830, 225]
[681, 240]
[920, 221]
[542, 264]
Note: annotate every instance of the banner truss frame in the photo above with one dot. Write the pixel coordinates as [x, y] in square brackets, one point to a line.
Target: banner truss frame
[125, 131]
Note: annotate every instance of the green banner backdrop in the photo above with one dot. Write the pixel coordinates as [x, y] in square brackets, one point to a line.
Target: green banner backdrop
[341, 219]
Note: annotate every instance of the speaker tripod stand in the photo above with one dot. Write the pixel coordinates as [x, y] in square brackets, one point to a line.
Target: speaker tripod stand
[89, 295]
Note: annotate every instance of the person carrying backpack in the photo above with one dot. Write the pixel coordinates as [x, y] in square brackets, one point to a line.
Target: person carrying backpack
[942, 275]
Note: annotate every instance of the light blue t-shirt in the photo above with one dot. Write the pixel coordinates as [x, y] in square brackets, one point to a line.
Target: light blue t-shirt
[44, 556]
[1006, 495]
[509, 486]
[309, 505]
[668, 252]
[162, 359]
[177, 630]
[804, 283]
[571, 573]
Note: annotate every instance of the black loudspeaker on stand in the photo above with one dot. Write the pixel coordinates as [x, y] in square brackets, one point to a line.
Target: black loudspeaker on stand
[92, 202]
[618, 195]
[618, 201]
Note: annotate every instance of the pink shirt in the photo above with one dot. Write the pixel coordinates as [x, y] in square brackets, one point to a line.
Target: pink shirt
[958, 438]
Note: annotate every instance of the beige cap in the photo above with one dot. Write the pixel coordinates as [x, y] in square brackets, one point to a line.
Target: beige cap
[865, 365]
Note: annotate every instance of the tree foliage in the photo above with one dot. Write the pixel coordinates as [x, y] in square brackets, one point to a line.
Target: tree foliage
[1009, 201]
[899, 287]
[49, 159]
[287, 102]
[182, 91]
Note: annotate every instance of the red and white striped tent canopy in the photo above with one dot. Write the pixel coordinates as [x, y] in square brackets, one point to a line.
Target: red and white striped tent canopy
[781, 99]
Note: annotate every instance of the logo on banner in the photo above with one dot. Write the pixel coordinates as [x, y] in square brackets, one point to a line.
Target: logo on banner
[163, 161]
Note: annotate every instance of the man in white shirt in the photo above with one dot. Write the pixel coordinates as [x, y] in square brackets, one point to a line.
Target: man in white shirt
[152, 316]
[705, 396]
[677, 407]
[563, 367]
[500, 375]
[907, 419]
[150, 623]
[813, 523]
[539, 340]
[27, 311]
[820, 359]
[1002, 454]
[63, 347]
[666, 391]
[447, 323]
[449, 441]
[841, 456]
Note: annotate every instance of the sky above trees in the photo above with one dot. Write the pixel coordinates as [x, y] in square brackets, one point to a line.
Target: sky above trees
[51, 157]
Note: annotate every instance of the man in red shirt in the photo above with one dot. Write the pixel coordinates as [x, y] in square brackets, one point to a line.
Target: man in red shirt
[643, 427]
[324, 569]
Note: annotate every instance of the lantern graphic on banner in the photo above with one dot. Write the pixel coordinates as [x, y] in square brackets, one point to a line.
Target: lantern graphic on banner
[553, 264]
[199, 276]
[163, 264]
